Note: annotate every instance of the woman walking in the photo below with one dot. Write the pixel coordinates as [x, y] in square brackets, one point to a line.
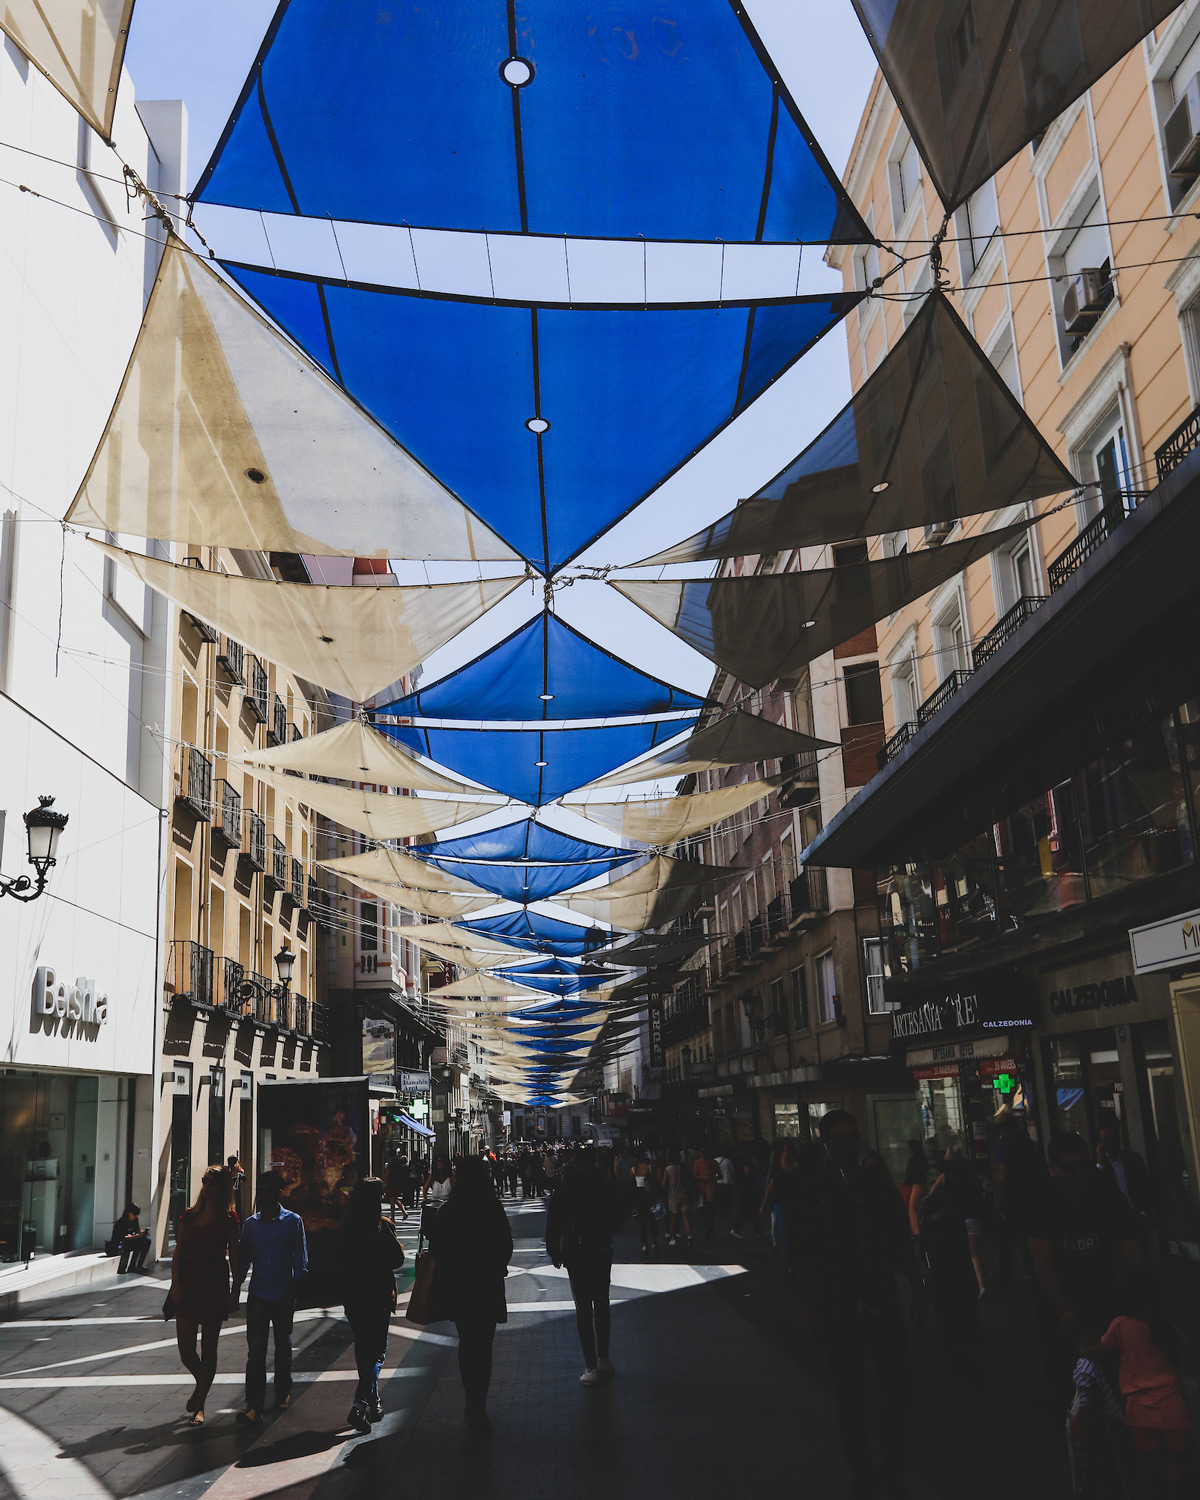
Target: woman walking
[472, 1246]
[644, 1190]
[583, 1216]
[369, 1255]
[677, 1184]
[206, 1253]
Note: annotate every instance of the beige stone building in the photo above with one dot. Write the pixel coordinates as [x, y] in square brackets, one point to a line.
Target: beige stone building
[239, 890]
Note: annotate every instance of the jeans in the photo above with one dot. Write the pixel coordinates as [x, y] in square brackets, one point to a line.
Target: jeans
[133, 1254]
[370, 1328]
[593, 1317]
[260, 1315]
[645, 1216]
[475, 1359]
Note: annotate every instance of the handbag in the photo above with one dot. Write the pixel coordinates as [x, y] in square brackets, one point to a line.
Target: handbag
[420, 1301]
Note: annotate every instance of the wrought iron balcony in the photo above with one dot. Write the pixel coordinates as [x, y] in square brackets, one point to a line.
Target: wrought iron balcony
[195, 782]
[296, 735]
[256, 692]
[227, 815]
[800, 778]
[299, 886]
[254, 850]
[893, 747]
[1006, 627]
[936, 701]
[277, 868]
[809, 894]
[300, 1014]
[189, 972]
[1182, 441]
[231, 662]
[321, 903]
[231, 980]
[284, 1002]
[1116, 507]
[318, 1022]
[277, 728]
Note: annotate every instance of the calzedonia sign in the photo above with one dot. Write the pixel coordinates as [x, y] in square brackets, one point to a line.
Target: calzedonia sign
[66, 1007]
[971, 1007]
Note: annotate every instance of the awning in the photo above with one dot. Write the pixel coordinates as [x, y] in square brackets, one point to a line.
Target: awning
[415, 1125]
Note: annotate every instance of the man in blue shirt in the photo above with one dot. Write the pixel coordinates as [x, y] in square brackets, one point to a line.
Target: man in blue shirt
[275, 1252]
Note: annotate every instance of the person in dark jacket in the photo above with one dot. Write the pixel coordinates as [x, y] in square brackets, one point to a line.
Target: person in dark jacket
[472, 1245]
[130, 1241]
[368, 1256]
[584, 1214]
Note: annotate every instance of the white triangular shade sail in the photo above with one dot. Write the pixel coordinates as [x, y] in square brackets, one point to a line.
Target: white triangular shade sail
[224, 434]
[474, 958]
[481, 1005]
[736, 739]
[664, 820]
[353, 641]
[485, 985]
[427, 903]
[654, 893]
[355, 752]
[394, 867]
[79, 45]
[377, 814]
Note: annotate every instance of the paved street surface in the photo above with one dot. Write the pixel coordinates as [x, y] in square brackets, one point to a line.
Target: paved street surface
[717, 1394]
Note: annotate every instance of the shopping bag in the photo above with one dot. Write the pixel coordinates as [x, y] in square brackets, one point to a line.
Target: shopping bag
[420, 1301]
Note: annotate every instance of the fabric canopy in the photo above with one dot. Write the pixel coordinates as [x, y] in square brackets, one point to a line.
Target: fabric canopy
[455, 953]
[440, 904]
[665, 820]
[763, 626]
[557, 978]
[976, 83]
[79, 45]
[355, 752]
[394, 867]
[525, 121]
[536, 765]
[735, 739]
[544, 670]
[657, 892]
[353, 641]
[478, 984]
[523, 861]
[932, 435]
[474, 375]
[377, 814]
[539, 934]
[223, 434]
[415, 1125]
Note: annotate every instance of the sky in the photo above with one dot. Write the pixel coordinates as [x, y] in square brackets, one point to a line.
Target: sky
[201, 50]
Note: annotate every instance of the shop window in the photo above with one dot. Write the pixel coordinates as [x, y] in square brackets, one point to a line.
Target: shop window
[1189, 752]
[864, 694]
[1133, 811]
[896, 1121]
[799, 999]
[906, 919]
[1168, 1139]
[941, 1115]
[964, 896]
[826, 989]
[1038, 856]
[787, 1122]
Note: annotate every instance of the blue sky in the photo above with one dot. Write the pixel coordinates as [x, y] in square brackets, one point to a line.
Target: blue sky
[200, 51]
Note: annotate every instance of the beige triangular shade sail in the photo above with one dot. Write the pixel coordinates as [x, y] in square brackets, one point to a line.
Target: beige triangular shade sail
[763, 626]
[353, 641]
[79, 45]
[480, 1005]
[736, 739]
[664, 820]
[427, 903]
[654, 893]
[224, 434]
[394, 867]
[377, 814]
[355, 752]
[473, 958]
[485, 985]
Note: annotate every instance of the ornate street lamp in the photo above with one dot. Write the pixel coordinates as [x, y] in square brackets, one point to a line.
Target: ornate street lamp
[285, 962]
[42, 828]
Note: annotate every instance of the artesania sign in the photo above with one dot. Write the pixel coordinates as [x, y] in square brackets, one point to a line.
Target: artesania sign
[1166, 945]
[997, 1001]
[59, 1004]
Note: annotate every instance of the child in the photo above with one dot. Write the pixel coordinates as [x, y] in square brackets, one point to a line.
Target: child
[1095, 1408]
[1149, 1348]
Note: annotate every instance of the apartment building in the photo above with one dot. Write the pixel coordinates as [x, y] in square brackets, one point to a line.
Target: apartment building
[1035, 806]
[243, 979]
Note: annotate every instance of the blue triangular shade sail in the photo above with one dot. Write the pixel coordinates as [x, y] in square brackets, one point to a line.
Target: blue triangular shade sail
[523, 861]
[629, 394]
[538, 934]
[544, 670]
[507, 759]
[605, 128]
[557, 978]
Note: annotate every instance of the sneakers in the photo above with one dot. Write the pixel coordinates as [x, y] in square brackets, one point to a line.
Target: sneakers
[358, 1418]
[250, 1415]
[606, 1367]
[591, 1377]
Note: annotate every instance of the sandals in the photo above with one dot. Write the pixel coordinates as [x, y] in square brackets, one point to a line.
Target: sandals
[196, 1419]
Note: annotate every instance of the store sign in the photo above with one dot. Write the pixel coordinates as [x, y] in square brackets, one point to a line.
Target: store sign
[1070, 999]
[937, 1070]
[985, 1003]
[77, 1009]
[1168, 944]
[414, 1080]
[658, 1056]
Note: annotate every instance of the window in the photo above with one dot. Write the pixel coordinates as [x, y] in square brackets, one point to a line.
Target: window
[1175, 92]
[977, 222]
[895, 543]
[1016, 575]
[866, 269]
[873, 969]
[950, 650]
[826, 989]
[906, 688]
[779, 1003]
[916, 290]
[787, 856]
[1038, 856]
[1105, 461]
[1084, 263]
[368, 936]
[849, 554]
[1003, 354]
[864, 694]
[799, 1000]
[905, 176]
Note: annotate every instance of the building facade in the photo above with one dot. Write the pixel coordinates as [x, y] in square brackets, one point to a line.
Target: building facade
[1035, 802]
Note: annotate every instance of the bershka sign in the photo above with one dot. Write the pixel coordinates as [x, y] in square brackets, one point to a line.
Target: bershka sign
[971, 1008]
[77, 1009]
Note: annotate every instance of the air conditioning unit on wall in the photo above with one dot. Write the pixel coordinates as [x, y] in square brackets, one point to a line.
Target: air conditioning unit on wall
[936, 534]
[1086, 296]
[1181, 133]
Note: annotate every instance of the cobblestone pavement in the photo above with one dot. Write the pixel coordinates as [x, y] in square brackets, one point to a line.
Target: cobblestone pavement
[718, 1393]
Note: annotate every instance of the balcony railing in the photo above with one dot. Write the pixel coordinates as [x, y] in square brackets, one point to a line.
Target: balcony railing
[277, 869]
[254, 850]
[936, 701]
[195, 782]
[1116, 507]
[231, 979]
[296, 735]
[299, 886]
[227, 815]
[893, 747]
[809, 894]
[321, 904]
[258, 1002]
[256, 692]
[284, 1001]
[300, 1014]
[277, 728]
[800, 778]
[231, 662]
[1182, 441]
[318, 1022]
[189, 971]
[1006, 627]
